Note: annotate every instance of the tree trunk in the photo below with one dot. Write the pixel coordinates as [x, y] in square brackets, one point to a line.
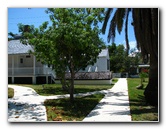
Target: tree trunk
[151, 91]
[72, 87]
[64, 83]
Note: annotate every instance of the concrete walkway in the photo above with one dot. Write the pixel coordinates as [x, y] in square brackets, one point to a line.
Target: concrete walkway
[27, 105]
[114, 106]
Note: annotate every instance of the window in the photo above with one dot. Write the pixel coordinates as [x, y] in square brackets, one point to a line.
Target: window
[28, 56]
[21, 60]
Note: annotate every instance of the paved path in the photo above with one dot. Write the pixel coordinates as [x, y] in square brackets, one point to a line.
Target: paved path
[114, 106]
[27, 105]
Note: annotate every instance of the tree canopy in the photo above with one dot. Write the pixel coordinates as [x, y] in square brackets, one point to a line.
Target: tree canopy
[119, 61]
[71, 43]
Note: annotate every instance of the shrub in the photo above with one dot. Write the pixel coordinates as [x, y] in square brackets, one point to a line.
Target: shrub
[10, 92]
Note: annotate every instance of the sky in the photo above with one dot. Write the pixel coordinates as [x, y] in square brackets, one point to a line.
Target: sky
[36, 16]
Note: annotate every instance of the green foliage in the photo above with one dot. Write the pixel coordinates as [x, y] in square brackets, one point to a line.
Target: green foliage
[119, 60]
[10, 92]
[71, 43]
[117, 57]
[143, 74]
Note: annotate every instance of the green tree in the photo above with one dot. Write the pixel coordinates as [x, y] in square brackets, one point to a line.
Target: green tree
[119, 61]
[134, 59]
[145, 23]
[71, 43]
[117, 57]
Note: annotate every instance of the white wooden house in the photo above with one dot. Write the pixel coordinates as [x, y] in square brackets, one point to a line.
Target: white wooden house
[102, 64]
[24, 68]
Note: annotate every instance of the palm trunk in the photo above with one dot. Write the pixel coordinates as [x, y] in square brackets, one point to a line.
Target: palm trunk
[151, 91]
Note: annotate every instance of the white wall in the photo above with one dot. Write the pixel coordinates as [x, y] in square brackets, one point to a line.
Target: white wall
[27, 62]
[101, 64]
[9, 61]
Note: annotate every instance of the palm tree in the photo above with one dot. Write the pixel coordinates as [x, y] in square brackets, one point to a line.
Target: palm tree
[13, 36]
[145, 23]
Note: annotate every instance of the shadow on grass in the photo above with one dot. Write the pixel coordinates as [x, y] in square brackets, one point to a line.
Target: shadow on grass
[139, 107]
[140, 110]
[51, 91]
[85, 90]
[58, 90]
[70, 112]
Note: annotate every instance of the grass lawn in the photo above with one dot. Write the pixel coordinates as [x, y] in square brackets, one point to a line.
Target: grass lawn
[56, 89]
[140, 110]
[63, 110]
[10, 92]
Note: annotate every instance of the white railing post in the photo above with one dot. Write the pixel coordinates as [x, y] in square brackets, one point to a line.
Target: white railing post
[34, 65]
[34, 70]
[12, 65]
[47, 79]
[12, 69]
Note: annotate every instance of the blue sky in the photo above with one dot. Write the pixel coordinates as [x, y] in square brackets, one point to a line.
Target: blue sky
[36, 16]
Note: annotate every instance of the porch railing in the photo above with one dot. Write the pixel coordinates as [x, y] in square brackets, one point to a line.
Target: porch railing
[29, 71]
[91, 75]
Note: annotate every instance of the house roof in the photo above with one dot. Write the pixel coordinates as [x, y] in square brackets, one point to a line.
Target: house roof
[16, 47]
[103, 53]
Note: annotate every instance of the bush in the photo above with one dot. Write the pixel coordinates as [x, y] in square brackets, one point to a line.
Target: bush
[10, 92]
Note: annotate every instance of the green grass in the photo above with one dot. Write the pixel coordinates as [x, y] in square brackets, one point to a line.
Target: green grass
[10, 92]
[114, 80]
[140, 110]
[56, 89]
[63, 110]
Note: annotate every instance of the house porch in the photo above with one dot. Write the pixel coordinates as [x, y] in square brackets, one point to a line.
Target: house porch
[24, 69]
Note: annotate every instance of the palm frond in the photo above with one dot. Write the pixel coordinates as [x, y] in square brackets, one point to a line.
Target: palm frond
[120, 17]
[107, 16]
[137, 26]
[11, 34]
[111, 32]
[154, 15]
[126, 31]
